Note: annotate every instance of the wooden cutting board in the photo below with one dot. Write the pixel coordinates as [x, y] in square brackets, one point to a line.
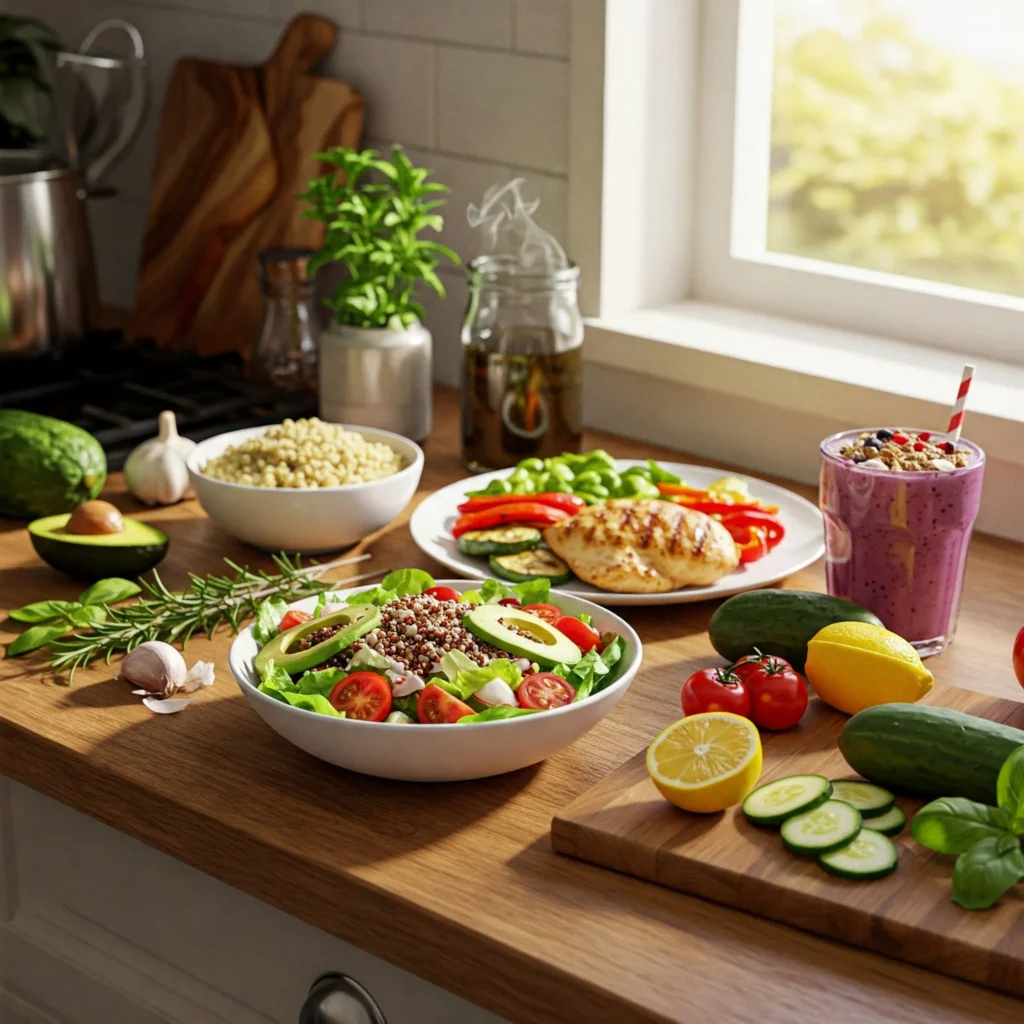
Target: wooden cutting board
[625, 824]
[233, 154]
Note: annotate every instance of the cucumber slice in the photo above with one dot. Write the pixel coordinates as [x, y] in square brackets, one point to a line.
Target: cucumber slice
[828, 827]
[530, 565]
[774, 802]
[889, 824]
[869, 799]
[502, 540]
[870, 855]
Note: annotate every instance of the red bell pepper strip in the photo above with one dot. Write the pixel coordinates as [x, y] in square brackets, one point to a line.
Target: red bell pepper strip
[750, 542]
[739, 519]
[566, 502]
[522, 513]
[703, 501]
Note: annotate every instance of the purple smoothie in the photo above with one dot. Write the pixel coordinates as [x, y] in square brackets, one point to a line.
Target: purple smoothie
[896, 542]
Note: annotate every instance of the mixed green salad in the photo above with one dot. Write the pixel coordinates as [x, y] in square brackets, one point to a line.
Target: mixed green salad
[410, 651]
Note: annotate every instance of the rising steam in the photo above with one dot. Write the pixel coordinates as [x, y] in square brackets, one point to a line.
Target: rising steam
[508, 229]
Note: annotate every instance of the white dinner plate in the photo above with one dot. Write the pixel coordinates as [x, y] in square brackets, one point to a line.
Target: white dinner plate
[804, 543]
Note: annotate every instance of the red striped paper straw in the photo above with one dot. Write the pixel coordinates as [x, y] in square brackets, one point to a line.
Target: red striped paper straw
[956, 420]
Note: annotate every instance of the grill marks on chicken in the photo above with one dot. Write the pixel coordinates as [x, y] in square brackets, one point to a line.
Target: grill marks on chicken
[643, 546]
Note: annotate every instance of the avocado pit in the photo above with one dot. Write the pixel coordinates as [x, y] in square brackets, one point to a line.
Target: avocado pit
[94, 518]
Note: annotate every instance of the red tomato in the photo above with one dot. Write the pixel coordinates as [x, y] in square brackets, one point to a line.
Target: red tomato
[293, 618]
[583, 636]
[778, 695]
[544, 690]
[548, 612]
[435, 706]
[443, 593]
[510, 602]
[363, 695]
[714, 689]
[1018, 656]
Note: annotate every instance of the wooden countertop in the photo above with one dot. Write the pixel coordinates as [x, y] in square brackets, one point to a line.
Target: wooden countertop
[457, 883]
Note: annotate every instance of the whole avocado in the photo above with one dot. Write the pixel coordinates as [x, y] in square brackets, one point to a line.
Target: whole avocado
[46, 465]
[779, 622]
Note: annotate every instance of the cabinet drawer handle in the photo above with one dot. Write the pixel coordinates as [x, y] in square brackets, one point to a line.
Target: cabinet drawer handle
[336, 998]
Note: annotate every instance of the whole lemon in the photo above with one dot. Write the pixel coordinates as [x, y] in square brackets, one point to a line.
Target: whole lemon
[856, 665]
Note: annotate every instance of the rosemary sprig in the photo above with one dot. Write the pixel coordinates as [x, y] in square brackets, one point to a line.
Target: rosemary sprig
[208, 602]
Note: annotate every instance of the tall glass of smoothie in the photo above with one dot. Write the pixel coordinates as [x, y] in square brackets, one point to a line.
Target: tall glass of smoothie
[899, 507]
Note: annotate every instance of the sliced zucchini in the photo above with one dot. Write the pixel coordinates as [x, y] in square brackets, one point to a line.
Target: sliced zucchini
[530, 565]
[889, 824]
[869, 799]
[501, 540]
[870, 855]
[827, 827]
[774, 802]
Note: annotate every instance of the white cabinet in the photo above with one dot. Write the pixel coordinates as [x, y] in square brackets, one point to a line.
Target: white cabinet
[97, 927]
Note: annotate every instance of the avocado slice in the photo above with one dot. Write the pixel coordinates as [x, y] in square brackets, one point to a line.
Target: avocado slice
[94, 556]
[545, 645]
[355, 621]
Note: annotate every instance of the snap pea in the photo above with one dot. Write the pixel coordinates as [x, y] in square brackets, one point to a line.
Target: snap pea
[497, 486]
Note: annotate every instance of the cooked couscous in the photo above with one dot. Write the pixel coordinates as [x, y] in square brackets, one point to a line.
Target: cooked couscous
[305, 453]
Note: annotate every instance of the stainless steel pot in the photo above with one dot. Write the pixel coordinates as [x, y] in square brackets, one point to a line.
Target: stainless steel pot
[47, 270]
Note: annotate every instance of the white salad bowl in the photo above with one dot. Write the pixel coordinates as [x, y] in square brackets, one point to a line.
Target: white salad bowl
[304, 519]
[439, 753]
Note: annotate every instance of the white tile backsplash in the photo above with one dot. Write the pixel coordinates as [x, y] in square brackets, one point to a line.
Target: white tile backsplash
[474, 22]
[444, 321]
[542, 26]
[508, 107]
[434, 77]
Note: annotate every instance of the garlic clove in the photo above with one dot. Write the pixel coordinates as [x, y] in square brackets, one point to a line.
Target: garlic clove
[167, 707]
[154, 666]
[199, 675]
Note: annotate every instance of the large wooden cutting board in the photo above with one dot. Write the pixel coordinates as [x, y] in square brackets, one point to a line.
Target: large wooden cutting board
[625, 824]
[233, 154]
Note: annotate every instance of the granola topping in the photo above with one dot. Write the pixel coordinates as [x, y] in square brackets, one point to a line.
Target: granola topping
[900, 451]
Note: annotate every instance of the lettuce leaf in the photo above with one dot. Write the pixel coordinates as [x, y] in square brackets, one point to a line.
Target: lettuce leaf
[407, 581]
[375, 595]
[309, 692]
[496, 714]
[367, 658]
[274, 678]
[319, 681]
[268, 620]
[534, 592]
[407, 705]
[467, 682]
[315, 702]
[454, 662]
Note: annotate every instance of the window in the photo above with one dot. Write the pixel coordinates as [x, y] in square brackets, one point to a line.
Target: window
[861, 164]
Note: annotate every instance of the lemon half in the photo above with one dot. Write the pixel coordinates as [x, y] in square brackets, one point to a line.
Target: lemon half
[705, 763]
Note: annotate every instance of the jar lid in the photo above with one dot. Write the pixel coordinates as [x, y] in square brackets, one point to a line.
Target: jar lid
[285, 265]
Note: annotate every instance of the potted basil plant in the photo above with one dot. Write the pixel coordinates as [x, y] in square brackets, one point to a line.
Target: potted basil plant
[375, 356]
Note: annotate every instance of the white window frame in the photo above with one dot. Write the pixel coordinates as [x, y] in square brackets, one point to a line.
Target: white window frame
[653, 92]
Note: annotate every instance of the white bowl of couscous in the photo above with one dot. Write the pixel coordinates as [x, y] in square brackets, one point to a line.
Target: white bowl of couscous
[304, 486]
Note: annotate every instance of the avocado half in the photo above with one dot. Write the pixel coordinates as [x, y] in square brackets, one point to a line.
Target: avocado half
[545, 645]
[354, 621]
[133, 551]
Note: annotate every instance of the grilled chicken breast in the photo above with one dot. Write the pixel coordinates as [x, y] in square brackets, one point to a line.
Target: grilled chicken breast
[643, 547]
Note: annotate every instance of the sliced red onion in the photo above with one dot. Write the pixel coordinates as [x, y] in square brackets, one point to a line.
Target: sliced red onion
[410, 684]
[496, 692]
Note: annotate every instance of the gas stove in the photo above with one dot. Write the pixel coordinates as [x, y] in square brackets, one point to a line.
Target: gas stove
[116, 390]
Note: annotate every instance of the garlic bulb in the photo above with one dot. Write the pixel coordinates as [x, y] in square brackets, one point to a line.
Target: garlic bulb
[155, 471]
[155, 667]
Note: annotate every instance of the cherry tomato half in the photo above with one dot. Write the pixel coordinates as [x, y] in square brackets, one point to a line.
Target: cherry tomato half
[714, 689]
[548, 612]
[1018, 656]
[583, 636]
[543, 691]
[293, 618]
[435, 706]
[363, 695]
[778, 696]
[510, 602]
[443, 593]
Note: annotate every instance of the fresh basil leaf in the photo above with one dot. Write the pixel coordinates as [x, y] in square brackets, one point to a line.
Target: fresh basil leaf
[988, 869]
[1010, 789]
[953, 824]
[268, 620]
[496, 714]
[88, 615]
[407, 581]
[44, 611]
[35, 637]
[378, 596]
[109, 591]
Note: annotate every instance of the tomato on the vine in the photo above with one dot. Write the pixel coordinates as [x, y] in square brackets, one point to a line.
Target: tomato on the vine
[583, 636]
[778, 695]
[715, 689]
[292, 618]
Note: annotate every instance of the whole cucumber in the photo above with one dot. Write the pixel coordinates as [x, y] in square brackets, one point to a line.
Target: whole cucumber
[779, 622]
[928, 751]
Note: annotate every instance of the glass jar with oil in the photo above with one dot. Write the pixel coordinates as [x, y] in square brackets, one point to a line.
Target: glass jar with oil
[522, 342]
